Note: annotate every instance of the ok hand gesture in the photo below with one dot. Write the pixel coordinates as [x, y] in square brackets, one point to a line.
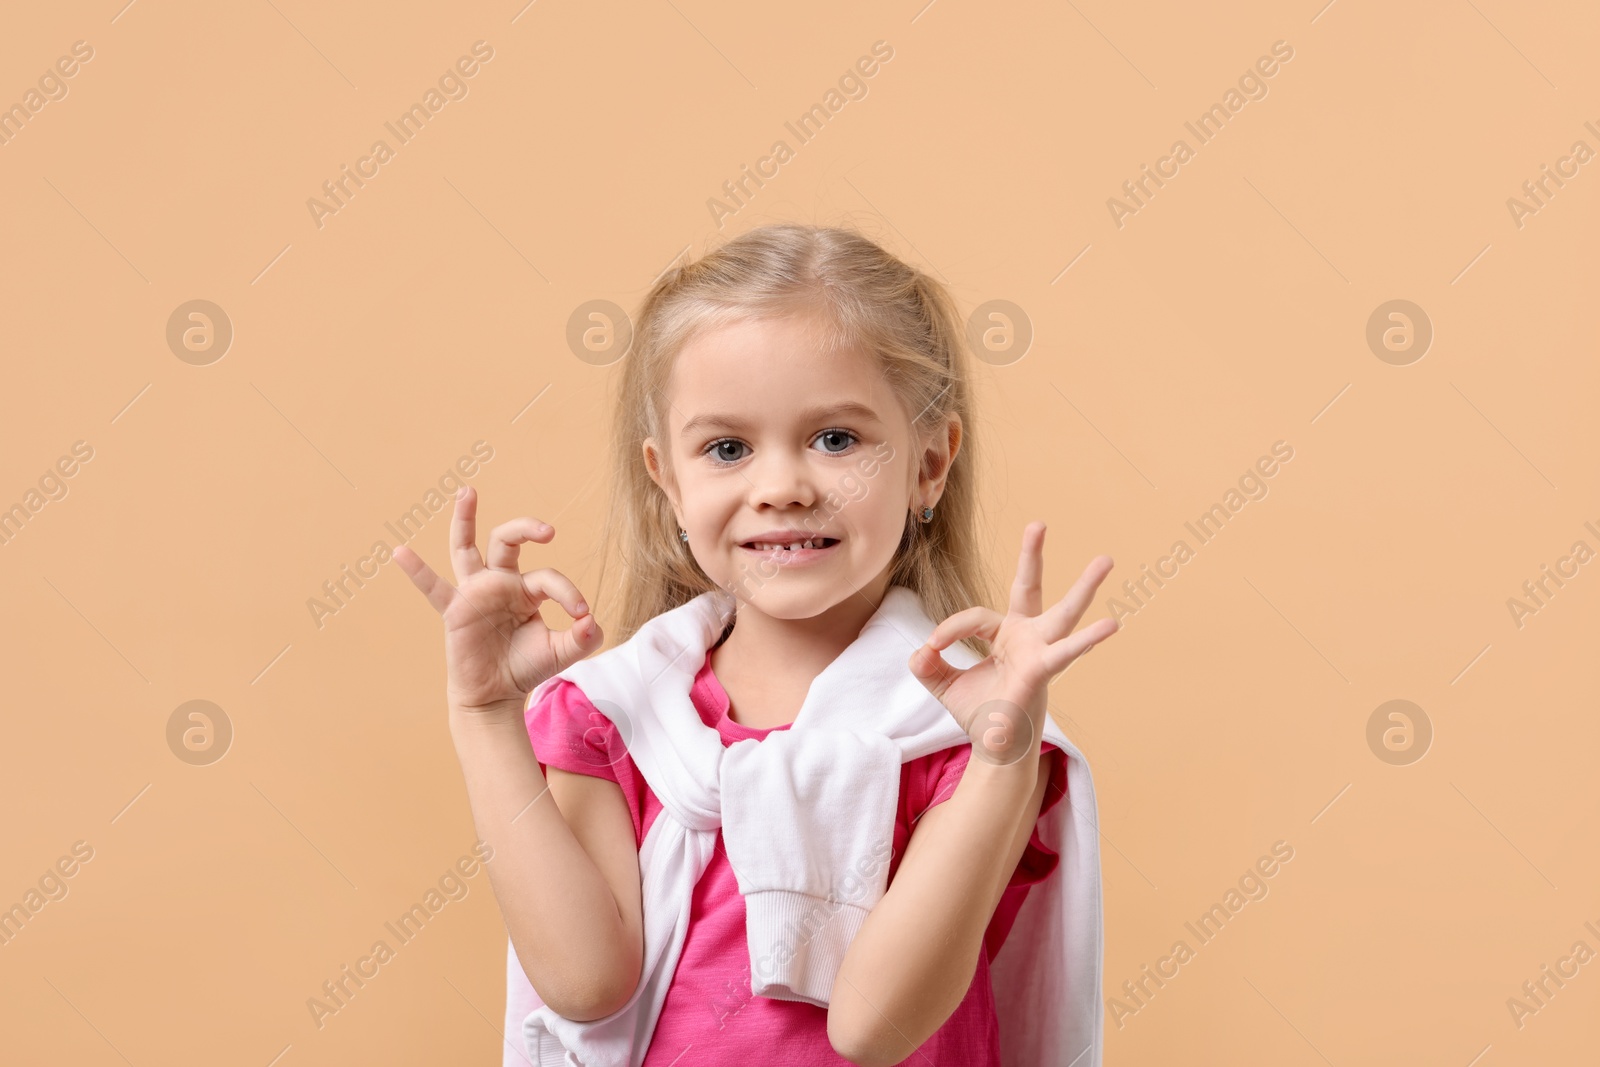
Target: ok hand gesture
[497, 648]
[1001, 701]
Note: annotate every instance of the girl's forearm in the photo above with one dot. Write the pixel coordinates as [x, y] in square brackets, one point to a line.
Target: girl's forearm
[915, 956]
[560, 913]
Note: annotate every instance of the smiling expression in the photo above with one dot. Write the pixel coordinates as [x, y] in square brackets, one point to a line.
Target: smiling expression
[776, 442]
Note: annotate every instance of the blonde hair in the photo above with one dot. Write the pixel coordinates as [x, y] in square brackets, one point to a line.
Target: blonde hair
[869, 299]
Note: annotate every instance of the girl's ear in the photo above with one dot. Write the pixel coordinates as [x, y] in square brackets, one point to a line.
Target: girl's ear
[652, 462]
[658, 471]
[938, 454]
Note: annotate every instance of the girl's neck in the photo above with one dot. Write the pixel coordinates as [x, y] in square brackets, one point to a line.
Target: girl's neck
[766, 665]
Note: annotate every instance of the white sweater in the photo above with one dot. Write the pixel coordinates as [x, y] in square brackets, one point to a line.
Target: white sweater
[807, 819]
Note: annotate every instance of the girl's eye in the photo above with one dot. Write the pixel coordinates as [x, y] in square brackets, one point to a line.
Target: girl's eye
[718, 446]
[836, 434]
[720, 450]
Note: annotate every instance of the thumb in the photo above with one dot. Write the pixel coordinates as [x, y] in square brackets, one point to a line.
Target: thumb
[577, 641]
[932, 671]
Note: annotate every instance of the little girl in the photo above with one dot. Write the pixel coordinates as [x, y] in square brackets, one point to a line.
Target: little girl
[794, 473]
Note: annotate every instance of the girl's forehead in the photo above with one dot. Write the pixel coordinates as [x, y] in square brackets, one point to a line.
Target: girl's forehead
[771, 365]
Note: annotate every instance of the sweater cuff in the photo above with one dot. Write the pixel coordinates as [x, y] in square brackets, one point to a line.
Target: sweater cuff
[797, 943]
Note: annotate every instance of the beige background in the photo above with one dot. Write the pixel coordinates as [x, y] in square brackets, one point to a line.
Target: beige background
[1229, 313]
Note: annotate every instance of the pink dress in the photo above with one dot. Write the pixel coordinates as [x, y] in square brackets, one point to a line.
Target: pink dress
[710, 1017]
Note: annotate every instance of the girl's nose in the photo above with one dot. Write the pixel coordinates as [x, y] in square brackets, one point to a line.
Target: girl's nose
[780, 480]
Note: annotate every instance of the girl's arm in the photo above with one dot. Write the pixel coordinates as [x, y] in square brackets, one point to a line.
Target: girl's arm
[569, 894]
[565, 871]
[914, 959]
[897, 984]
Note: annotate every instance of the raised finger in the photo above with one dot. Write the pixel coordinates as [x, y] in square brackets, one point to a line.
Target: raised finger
[1059, 620]
[464, 534]
[1059, 656]
[505, 540]
[438, 591]
[547, 584]
[1026, 594]
[1065, 613]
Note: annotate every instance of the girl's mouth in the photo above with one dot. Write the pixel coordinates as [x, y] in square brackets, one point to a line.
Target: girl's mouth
[791, 553]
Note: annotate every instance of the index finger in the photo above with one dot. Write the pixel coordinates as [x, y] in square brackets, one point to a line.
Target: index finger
[506, 539]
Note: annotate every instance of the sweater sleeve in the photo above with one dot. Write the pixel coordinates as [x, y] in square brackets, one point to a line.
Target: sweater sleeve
[808, 842]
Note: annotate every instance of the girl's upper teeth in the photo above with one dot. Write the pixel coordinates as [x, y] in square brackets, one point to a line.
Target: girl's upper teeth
[765, 546]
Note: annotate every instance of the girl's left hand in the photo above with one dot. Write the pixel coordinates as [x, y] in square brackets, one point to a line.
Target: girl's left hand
[1001, 701]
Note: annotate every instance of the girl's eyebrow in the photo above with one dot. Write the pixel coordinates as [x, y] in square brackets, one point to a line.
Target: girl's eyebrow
[814, 414]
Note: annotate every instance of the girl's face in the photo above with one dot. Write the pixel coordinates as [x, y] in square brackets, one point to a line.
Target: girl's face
[774, 442]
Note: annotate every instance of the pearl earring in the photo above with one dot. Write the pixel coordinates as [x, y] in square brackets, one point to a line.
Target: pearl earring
[683, 535]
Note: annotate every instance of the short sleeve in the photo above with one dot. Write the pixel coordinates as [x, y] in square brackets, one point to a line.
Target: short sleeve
[568, 732]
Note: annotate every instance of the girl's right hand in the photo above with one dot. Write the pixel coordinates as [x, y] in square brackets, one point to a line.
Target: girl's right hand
[497, 648]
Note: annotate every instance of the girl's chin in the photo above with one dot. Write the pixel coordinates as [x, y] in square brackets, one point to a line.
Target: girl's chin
[796, 597]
